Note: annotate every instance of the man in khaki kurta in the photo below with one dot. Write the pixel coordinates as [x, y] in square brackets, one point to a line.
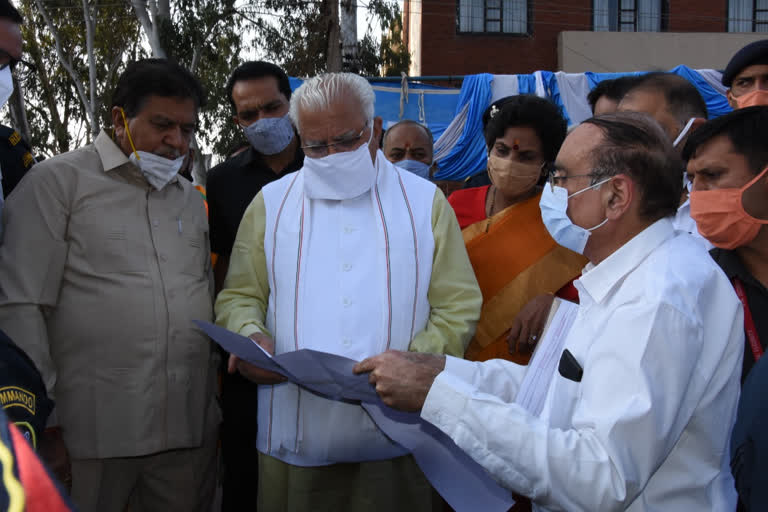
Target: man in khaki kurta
[104, 265]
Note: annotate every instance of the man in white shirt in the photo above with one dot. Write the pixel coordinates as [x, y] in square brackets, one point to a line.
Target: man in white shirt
[674, 103]
[638, 415]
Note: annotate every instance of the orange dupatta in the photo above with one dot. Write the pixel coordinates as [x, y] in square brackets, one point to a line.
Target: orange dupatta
[515, 259]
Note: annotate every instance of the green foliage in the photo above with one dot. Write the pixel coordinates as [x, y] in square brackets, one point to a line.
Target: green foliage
[294, 34]
[206, 37]
[55, 113]
[394, 56]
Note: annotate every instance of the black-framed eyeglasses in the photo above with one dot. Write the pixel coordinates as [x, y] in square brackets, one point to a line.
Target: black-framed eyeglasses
[559, 181]
[345, 144]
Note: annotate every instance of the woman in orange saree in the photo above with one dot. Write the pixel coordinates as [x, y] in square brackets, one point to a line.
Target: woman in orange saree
[514, 257]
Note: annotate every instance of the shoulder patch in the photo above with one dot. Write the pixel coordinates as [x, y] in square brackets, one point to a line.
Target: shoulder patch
[14, 396]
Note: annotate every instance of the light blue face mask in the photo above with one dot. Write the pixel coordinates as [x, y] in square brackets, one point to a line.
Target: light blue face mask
[554, 213]
[420, 169]
[270, 135]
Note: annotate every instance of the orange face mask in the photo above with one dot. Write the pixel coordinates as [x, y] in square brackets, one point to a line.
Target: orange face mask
[751, 99]
[721, 218]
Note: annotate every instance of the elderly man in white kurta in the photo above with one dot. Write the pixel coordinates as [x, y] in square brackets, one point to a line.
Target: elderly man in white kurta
[349, 255]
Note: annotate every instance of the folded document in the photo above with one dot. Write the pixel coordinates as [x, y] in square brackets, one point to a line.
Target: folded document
[461, 481]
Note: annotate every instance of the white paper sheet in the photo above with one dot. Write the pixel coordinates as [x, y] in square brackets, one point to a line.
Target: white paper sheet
[546, 357]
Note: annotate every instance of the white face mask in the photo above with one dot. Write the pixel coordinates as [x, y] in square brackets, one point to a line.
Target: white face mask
[157, 170]
[340, 175]
[270, 135]
[6, 85]
[554, 208]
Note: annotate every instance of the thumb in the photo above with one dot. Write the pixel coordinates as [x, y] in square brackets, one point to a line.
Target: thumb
[366, 365]
[232, 364]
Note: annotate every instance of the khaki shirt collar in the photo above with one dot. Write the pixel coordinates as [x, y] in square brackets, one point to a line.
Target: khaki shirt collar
[112, 157]
[110, 153]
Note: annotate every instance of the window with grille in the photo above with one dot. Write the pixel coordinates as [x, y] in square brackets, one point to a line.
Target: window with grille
[748, 16]
[493, 16]
[629, 15]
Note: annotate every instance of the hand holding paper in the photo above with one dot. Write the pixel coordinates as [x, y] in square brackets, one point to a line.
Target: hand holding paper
[460, 480]
[253, 372]
[402, 379]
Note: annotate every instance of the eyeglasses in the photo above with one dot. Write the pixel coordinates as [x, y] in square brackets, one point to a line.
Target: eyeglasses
[342, 145]
[559, 181]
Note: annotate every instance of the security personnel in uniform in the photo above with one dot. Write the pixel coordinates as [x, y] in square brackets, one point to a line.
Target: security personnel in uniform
[15, 158]
[22, 391]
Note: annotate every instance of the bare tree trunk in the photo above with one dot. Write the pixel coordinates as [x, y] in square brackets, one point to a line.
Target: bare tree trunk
[67, 65]
[349, 35]
[18, 111]
[199, 169]
[89, 45]
[151, 22]
[333, 53]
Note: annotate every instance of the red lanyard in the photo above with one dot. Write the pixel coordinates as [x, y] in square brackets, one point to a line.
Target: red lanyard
[749, 323]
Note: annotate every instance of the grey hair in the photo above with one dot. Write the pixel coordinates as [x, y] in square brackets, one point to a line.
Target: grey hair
[317, 93]
[634, 144]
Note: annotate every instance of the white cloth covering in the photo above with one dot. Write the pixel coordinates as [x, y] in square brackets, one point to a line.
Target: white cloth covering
[660, 338]
[349, 277]
[574, 89]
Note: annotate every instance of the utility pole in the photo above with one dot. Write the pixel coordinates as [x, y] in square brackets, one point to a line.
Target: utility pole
[333, 52]
[349, 35]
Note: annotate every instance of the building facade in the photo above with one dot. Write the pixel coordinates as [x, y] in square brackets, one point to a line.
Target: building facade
[457, 37]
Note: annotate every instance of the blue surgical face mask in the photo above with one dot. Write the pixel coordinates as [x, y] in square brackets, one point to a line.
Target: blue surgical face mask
[420, 169]
[270, 135]
[554, 213]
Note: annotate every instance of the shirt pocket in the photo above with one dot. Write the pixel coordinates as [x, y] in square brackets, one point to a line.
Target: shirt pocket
[114, 248]
[566, 394]
[193, 251]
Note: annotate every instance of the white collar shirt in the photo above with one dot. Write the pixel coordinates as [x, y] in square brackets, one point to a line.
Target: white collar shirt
[659, 336]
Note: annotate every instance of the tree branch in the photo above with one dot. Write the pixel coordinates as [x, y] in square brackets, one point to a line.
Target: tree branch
[65, 62]
[89, 37]
[207, 33]
[150, 23]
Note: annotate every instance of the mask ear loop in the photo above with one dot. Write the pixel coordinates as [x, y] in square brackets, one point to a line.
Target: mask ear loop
[743, 189]
[128, 132]
[684, 132]
[596, 185]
